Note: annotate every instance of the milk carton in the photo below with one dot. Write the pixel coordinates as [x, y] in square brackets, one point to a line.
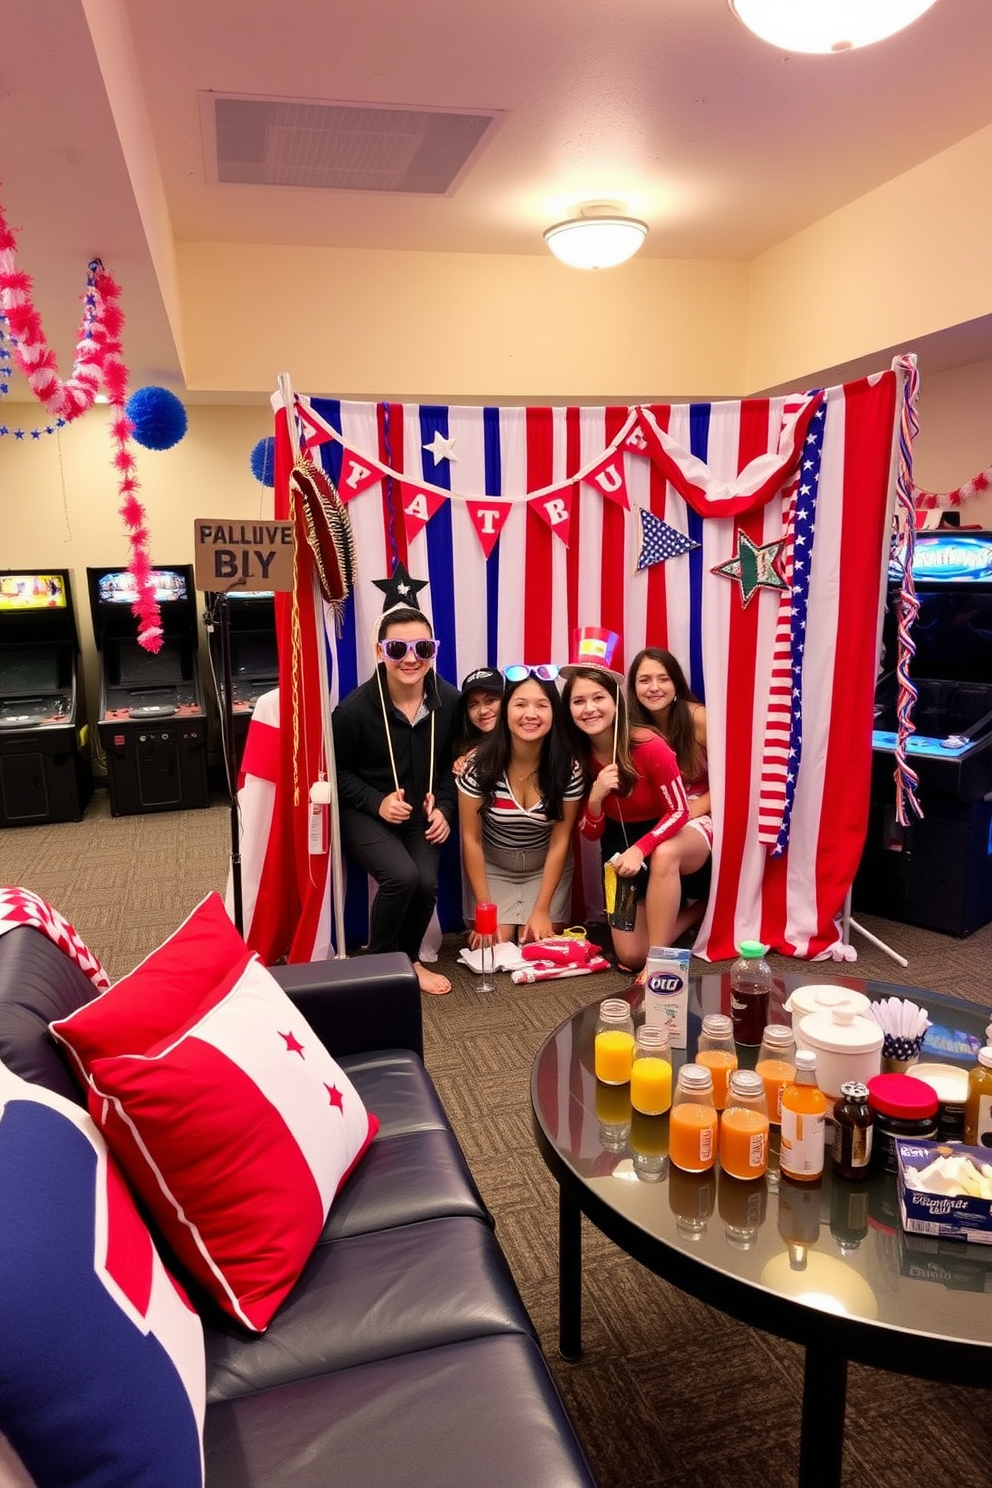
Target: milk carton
[666, 992]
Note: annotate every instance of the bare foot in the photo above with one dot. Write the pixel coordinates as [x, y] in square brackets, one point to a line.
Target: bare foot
[431, 981]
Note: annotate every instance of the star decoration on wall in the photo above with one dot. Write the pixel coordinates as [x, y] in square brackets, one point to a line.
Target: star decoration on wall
[400, 589]
[754, 567]
[441, 448]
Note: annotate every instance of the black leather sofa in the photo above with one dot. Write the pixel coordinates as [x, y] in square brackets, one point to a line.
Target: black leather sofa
[404, 1356]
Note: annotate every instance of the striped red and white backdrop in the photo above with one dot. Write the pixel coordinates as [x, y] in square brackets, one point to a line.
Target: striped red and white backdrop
[814, 472]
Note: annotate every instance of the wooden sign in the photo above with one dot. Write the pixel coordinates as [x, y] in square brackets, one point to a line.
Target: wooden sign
[247, 556]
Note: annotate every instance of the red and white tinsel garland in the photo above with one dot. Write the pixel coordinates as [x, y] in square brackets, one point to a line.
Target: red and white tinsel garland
[98, 360]
[931, 500]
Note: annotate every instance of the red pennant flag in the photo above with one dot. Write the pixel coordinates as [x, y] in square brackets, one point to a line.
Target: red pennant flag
[419, 506]
[488, 518]
[316, 430]
[356, 476]
[610, 479]
[637, 441]
[555, 508]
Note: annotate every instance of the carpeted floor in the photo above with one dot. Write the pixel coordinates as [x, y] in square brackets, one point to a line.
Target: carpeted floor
[669, 1393]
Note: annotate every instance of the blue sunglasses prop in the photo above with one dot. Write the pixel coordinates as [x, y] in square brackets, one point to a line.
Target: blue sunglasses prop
[546, 672]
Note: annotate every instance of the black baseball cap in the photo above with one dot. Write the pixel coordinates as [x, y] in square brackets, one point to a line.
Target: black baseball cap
[483, 679]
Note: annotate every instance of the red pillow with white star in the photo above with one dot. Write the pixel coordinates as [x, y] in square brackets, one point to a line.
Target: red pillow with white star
[237, 1131]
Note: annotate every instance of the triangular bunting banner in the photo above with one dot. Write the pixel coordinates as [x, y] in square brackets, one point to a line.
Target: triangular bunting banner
[556, 510]
[488, 518]
[659, 541]
[356, 476]
[418, 507]
[610, 479]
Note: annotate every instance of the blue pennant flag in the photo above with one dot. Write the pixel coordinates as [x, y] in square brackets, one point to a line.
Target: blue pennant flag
[659, 541]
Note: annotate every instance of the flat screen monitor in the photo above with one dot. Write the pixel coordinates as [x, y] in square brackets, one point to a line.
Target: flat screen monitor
[32, 591]
[136, 668]
[253, 654]
[29, 671]
[118, 587]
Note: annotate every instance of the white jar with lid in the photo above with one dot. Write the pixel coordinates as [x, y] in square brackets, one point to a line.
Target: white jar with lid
[821, 997]
[847, 1045]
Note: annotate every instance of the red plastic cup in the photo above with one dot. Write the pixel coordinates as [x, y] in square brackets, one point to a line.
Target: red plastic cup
[486, 922]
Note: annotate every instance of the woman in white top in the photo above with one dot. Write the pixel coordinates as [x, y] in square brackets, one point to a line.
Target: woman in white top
[519, 798]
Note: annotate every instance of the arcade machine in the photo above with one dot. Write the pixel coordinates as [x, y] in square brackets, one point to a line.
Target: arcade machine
[937, 871]
[254, 659]
[45, 773]
[152, 723]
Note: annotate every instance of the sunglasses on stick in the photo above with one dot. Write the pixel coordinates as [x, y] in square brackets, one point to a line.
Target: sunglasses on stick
[546, 672]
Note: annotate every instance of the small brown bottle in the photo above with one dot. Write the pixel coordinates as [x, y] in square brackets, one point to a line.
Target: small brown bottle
[852, 1131]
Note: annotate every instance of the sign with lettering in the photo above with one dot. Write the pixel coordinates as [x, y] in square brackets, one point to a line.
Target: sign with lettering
[246, 556]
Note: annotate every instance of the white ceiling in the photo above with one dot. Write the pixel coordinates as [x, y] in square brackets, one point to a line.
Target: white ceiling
[723, 145]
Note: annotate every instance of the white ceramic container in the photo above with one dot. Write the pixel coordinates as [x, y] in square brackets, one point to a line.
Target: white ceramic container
[821, 997]
[847, 1047]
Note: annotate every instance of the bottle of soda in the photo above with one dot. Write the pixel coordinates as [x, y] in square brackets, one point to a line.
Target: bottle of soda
[751, 982]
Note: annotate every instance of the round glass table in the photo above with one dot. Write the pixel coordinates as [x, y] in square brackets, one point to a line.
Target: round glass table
[826, 1264]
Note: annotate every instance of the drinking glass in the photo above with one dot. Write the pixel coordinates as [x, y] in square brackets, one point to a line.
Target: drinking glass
[486, 926]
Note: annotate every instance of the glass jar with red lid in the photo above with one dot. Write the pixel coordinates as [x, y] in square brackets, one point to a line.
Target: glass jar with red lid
[901, 1107]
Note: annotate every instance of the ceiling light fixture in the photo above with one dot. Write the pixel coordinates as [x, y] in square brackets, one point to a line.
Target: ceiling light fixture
[826, 25]
[599, 238]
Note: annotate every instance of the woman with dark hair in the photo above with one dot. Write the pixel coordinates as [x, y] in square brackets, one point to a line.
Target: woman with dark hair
[478, 712]
[519, 797]
[392, 744]
[660, 696]
[636, 805]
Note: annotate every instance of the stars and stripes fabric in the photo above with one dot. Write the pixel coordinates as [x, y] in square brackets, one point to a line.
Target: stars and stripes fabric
[714, 473]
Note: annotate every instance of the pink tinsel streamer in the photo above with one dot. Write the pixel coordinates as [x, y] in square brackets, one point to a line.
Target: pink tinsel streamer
[98, 358]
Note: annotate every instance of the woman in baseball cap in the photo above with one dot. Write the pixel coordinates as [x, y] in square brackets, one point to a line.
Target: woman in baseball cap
[478, 712]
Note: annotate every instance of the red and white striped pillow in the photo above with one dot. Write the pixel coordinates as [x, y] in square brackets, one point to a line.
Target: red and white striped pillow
[237, 1128]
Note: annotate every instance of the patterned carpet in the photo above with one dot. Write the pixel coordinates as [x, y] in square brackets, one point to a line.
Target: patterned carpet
[668, 1392]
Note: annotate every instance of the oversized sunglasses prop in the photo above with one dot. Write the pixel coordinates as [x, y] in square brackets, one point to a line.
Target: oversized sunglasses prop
[546, 672]
[397, 650]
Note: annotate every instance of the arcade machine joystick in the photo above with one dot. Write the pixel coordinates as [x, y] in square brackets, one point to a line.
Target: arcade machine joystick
[45, 771]
[152, 725]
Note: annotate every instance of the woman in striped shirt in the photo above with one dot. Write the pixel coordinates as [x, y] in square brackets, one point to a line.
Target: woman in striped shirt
[519, 797]
[636, 805]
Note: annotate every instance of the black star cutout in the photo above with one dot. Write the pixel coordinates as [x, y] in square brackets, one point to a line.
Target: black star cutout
[754, 567]
[400, 589]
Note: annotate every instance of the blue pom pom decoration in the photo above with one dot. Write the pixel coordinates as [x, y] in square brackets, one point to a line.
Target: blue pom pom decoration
[158, 417]
[263, 461]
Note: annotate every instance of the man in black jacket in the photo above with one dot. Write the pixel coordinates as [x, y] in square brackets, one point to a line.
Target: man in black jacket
[392, 742]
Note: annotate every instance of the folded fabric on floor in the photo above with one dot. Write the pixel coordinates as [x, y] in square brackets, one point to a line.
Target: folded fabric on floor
[505, 957]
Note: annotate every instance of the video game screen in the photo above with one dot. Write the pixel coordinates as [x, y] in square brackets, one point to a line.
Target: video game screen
[253, 654]
[32, 591]
[137, 668]
[119, 587]
[28, 671]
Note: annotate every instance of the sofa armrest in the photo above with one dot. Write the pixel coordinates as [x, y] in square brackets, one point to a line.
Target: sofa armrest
[359, 1004]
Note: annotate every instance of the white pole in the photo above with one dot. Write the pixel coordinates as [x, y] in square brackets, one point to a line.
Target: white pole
[337, 869]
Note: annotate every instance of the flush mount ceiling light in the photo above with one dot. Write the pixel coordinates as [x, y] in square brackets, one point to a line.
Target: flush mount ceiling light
[599, 238]
[826, 25]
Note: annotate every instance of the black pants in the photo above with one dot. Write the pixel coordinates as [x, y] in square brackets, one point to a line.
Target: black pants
[404, 865]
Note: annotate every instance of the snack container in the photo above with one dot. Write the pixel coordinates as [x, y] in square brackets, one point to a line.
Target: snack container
[666, 992]
[950, 1216]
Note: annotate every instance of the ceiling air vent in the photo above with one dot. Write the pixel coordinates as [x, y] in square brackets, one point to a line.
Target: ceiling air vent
[342, 146]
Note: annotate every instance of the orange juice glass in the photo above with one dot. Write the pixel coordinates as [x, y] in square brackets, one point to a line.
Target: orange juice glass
[693, 1124]
[614, 1055]
[720, 1063]
[743, 1142]
[776, 1073]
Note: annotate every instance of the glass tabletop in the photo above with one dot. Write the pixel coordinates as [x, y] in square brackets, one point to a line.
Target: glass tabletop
[833, 1246]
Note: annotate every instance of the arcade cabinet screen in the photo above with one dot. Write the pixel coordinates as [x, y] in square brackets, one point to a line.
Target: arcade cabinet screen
[137, 668]
[29, 673]
[118, 587]
[33, 591]
[253, 654]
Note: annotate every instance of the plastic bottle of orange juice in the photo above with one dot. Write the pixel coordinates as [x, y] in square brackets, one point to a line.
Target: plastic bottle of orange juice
[744, 1126]
[692, 1125]
[717, 1051]
[804, 1109]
